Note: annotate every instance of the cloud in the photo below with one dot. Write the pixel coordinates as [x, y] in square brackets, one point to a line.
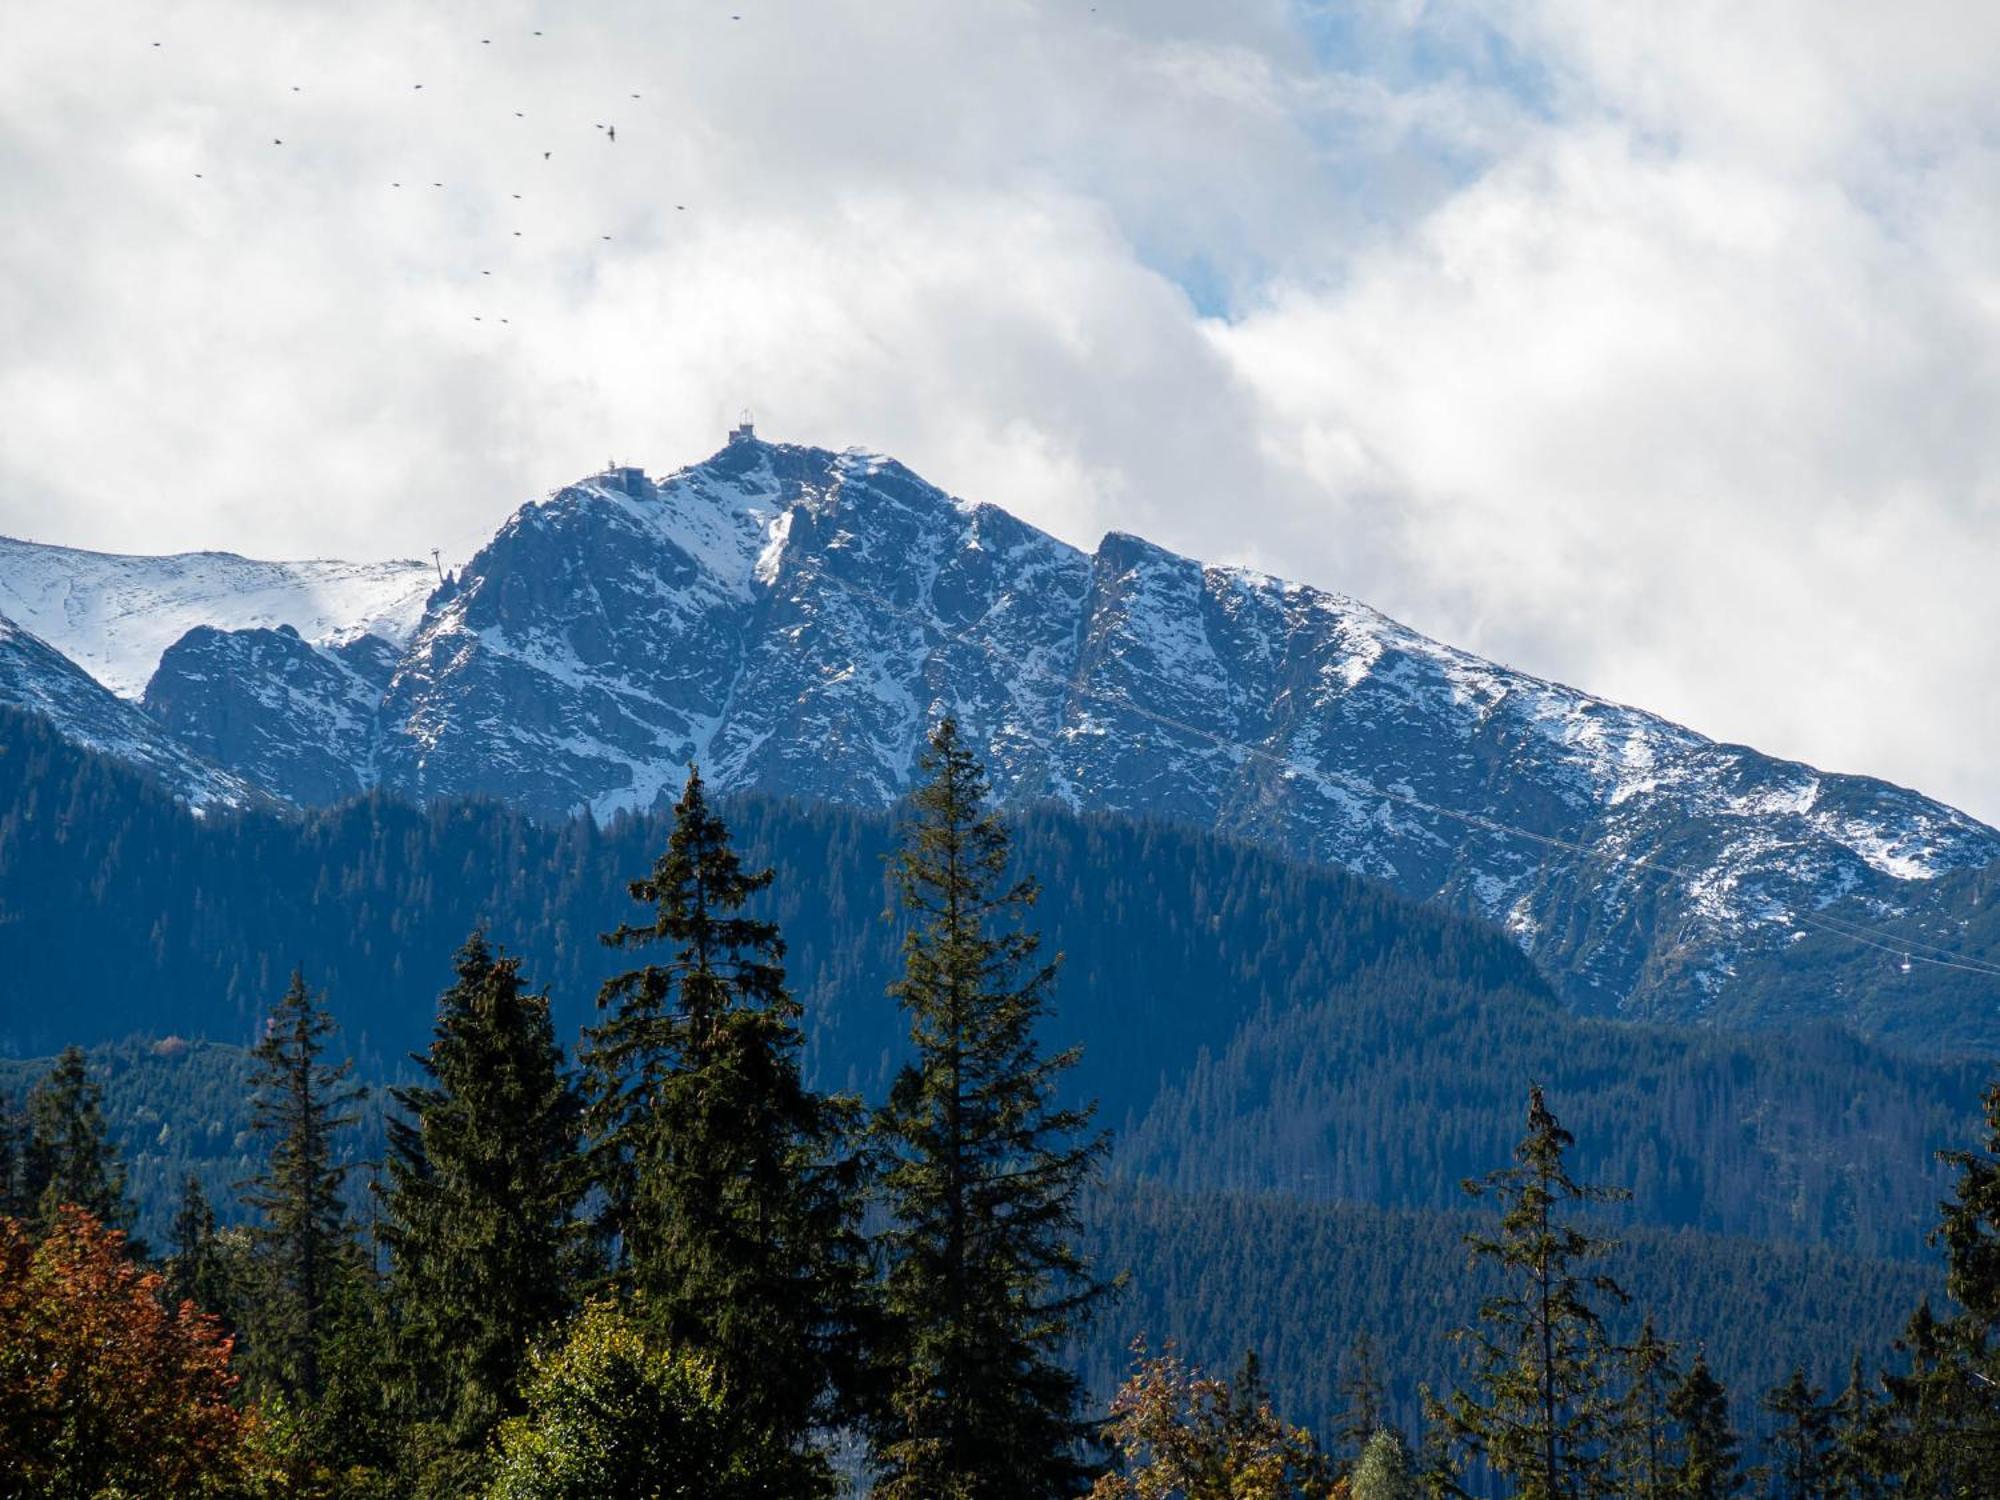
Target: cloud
[1651, 348]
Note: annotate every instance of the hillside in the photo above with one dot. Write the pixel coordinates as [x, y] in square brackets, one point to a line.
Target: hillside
[1249, 1022]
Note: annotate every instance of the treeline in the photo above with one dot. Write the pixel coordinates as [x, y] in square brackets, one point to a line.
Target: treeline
[679, 1269]
[1248, 1023]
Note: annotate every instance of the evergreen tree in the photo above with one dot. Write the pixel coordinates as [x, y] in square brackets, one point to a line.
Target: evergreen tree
[195, 1271]
[1801, 1440]
[1969, 1229]
[1361, 1390]
[732, 1189]
[984, 1284]
[305, 1249]
[484, 1176]
[1859, 1447]
[69, 1157]
[1542, 1413]
[1642, 1441]
[14, 1200]
[1705, 1462]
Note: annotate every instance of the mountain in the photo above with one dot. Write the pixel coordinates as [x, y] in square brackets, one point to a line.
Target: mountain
[793, 618]
[115, 616]
[38, 679]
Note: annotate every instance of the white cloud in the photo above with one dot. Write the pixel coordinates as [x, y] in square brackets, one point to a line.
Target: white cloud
[1648, 347]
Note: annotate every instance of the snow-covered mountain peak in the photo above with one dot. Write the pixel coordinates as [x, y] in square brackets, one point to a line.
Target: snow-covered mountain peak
[115, 615]
[796, 618]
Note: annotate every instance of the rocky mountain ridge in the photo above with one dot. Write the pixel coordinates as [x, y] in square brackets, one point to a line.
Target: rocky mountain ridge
[794, 618]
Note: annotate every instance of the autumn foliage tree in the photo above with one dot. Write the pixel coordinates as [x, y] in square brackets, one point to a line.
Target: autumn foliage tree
[1183, 1435]
[104, 1389]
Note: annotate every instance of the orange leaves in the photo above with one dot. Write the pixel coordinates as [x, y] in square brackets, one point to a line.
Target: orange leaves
[102, 1386]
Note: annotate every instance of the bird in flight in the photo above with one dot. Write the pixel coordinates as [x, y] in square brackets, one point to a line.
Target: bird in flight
[612, 132]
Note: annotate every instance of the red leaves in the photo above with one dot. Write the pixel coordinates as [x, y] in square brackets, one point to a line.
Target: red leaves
[101, 1385]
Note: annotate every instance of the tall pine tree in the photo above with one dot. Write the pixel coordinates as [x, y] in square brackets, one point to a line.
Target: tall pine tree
[304, 1247]
[1542, 1412]
[1705, 1463]
[69, 1157]
[733, 1190]
[1642, 1427]
[984, 1284]
[484, 1178]
[1801, 1441]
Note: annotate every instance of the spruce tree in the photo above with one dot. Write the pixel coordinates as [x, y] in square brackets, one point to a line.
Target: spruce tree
[1801, 1439]
[1859, 1445]
[1643, 1423]
[1705, 1461]
[984, 1283]
[304, 1247]
[195, 1271]
[69, 1157]
[731, 1189]
[484, 1178]
[1365, 1411]
[1542, 1412]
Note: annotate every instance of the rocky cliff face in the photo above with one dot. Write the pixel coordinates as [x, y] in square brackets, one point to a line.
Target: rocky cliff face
[794, 619]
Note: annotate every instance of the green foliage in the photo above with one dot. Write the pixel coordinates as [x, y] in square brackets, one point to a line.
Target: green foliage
[484, 1176]
[1315, 1033]
[1386, 1470]
[1541, 1410]
[1641, 1436]
[1706, 1465]
[68, 1158]
[1801, 1439]
[730, 1186]
[983, 1281]
[613, 1412]
[305, 1250]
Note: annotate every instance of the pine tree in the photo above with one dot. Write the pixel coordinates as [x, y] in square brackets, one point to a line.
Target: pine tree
[484, 1178]
[732, 1189]
[1543, 1414]
[69, 1157]
[1705, 1463]
[1642, 1441]
[1801, 1440]
[304, 1245]
[984, 1284]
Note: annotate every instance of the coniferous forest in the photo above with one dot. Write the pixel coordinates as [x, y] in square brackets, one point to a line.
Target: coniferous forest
[716, 1227]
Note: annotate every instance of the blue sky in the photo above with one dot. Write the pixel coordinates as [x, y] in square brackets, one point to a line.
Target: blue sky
[1650, 347]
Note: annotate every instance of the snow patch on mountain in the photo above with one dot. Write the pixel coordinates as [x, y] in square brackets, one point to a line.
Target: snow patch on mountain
[116, 615]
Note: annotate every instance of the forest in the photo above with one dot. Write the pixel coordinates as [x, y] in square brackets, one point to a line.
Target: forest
[672, 1262]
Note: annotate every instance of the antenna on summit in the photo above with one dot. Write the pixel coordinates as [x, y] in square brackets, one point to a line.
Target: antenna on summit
[744, 431]
[437, 564]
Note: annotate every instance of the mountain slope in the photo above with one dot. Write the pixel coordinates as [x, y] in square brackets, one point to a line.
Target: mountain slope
[115, 615]
[1247, 1021]
[38, 679]
[794, 618]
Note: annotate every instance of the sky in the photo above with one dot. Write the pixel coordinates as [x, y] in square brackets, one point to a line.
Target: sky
[1651, 347]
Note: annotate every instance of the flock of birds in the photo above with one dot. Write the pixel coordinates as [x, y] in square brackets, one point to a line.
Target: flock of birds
[610, 132]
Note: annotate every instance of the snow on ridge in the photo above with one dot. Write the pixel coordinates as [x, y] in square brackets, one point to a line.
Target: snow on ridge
[115, 614]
